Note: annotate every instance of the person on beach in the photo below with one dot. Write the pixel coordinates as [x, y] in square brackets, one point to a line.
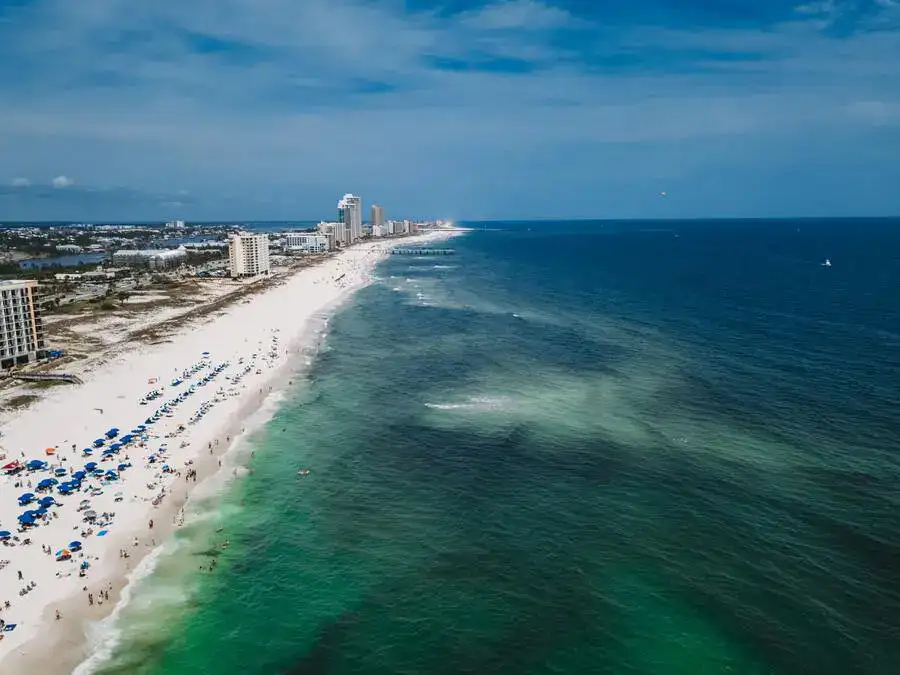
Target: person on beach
[58, 615]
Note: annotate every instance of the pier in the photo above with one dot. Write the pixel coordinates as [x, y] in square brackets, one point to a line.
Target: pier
[423, 251]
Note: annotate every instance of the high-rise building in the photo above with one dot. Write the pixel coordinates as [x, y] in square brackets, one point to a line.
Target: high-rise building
[378, 218]
[21, 328]
[350, 215]
[248, 254]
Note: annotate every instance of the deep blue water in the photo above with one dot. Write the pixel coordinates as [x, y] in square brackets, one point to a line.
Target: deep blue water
[625, 448]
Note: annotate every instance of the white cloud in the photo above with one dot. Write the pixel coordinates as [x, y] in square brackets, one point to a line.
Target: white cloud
[62, 182]
[20, 182]
[519, 14]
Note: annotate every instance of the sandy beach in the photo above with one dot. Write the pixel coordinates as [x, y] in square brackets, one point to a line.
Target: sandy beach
[115, 459]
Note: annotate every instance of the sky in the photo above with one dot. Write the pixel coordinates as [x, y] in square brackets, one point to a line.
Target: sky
[501, 109]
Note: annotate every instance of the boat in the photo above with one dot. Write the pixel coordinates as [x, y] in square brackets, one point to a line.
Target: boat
[303, 472]
[827, 263]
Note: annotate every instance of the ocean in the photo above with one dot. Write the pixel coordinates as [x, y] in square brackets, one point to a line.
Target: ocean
[664, 448]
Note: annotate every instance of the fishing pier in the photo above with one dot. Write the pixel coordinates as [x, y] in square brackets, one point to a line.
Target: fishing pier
[423, 251]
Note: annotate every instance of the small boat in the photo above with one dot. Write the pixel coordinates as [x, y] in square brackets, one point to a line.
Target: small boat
[827, 263]
[303, 472]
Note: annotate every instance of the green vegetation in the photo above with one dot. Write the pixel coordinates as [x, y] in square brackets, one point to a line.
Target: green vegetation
[20, 401]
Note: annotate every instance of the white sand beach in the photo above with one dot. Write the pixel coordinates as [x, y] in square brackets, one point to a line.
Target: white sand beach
[209, 378]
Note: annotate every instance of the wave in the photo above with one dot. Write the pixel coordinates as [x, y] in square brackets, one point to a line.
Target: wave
[474, 404]
[105, 635]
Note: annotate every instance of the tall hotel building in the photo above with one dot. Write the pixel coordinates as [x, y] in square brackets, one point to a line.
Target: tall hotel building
[377, 217]
[248, 254]
[350, 216]
[21, 329]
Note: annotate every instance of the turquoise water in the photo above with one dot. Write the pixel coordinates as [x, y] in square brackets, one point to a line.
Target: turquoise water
[570, 448]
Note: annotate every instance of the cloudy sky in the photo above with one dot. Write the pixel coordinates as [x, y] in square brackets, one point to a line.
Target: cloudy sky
[272, 109]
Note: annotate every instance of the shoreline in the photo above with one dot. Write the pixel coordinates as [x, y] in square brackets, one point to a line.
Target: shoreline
[67, 645]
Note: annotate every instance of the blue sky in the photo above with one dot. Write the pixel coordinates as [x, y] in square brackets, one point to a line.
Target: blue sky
[272, 109]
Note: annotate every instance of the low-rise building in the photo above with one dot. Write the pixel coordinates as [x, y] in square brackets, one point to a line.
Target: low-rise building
[68, 249]
[21, 328]
[302, 242]
[151, 258]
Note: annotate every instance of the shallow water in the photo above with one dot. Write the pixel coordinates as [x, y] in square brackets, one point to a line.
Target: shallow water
[574, 448]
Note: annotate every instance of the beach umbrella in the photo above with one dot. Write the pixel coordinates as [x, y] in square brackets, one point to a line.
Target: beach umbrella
[90, 466]
[115, 446]
[75, 545]
[26, 519]
[26, 498]
[85, 565]
[5, 534]
[42, 511]
[47, 501]
[111, 475]
[47, 483]
[66, 488]
[112, 433]
[36, 464]
[79, 475]
[63, 555]
[99, 442]
[60, 471]
[122, 467]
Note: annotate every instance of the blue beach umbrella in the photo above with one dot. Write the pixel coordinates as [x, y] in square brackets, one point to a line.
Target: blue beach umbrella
[112, 433]
[98, 443]
[79, 475]
[36, 464]
[60, 472]
[5, 534]
[66, 488]
[47, 483]
[112, 475]
[74, 545]
[47, 501]
[26, 498]
[123, 466]
[42, 511]
[90, 466]
[26, 519]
